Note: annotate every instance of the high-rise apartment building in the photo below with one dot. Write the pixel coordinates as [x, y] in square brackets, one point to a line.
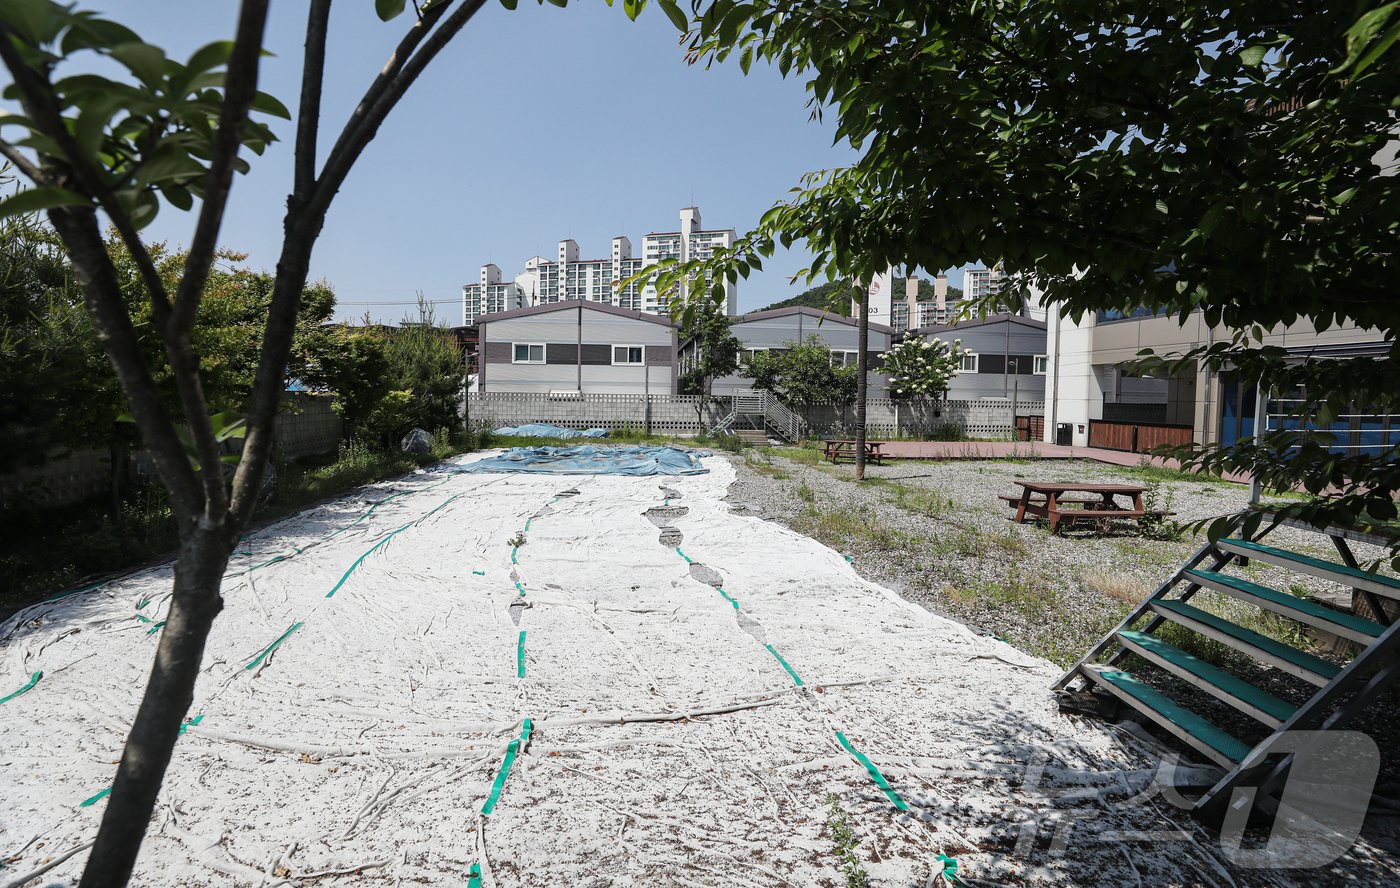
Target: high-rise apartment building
[490, 294]
[980, 282]
[567, 276]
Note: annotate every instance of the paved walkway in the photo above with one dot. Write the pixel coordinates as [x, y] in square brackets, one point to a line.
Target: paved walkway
[1025, 450]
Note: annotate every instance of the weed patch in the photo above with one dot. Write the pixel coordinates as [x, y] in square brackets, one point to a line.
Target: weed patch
[845, 843]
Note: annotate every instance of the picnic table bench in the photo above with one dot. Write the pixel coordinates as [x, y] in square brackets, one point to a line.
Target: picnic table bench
[1044, 500]
[839, 447]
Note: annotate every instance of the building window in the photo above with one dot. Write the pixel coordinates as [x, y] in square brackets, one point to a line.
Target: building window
[969, 363]
[844, 358]
[528, 353]
[1039, 364]
[746, 354]
[627, 355]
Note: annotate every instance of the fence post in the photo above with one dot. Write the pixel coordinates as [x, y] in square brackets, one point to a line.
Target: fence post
[647, 419]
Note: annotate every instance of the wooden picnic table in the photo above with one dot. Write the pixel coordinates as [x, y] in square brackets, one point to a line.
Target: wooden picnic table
[839, 447]
[1044, 500]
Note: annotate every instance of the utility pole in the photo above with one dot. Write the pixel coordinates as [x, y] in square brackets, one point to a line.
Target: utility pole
[862, 343]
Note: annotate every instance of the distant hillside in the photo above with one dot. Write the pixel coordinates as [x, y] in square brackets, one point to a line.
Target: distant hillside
[821, 296]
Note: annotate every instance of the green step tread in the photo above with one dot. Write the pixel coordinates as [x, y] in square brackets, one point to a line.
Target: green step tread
[1183, 718]
[1321, 563]
[1231, 684]
[1277, 648]
[1293, 602]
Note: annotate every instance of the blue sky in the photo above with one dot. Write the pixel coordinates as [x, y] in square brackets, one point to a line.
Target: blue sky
[532, 126]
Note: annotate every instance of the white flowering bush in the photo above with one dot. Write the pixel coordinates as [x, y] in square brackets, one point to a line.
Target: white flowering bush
[922, 368]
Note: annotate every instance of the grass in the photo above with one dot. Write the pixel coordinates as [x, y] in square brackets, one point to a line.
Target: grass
[845, 844]
[1115, 584]
[50, 550]
[1034, 611]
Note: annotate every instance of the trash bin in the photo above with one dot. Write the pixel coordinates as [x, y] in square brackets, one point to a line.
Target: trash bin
[1064, 433]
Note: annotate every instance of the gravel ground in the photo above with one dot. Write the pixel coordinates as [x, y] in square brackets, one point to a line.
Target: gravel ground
[937, 533]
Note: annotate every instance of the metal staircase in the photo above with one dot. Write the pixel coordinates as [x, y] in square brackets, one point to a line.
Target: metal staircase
[754, 415]
[1341, 688]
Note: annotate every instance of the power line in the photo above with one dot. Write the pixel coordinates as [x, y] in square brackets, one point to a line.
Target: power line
[456, 299]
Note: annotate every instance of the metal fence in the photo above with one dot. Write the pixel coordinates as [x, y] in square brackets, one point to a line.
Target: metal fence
[679, 414]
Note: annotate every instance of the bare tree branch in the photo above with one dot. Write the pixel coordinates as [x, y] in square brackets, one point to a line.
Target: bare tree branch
[397, 59]
[23, 164]
[303, 224]
[384, 94]
[309, 112]
[93, 267]
[240, 88]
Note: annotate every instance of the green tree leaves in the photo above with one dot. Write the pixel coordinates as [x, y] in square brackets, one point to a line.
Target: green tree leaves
[802, 374]
[142, 138]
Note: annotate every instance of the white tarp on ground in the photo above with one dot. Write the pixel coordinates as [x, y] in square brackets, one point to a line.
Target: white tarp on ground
[668, 745]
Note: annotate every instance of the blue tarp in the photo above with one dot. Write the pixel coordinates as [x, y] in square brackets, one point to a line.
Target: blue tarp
[589, 459]
[544, 430]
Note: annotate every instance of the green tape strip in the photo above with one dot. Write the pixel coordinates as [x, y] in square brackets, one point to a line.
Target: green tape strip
[88, 803]
[874, 773]
[155, 627]
[513, 551]
[683, 555]
[520, 587]
[92, 800]
[527, 522]
[272, 647]
[358, 561]
[88, 588]
[297, 550]
[390, 535]
[474, 876]
[950, 869]
[33, 680]
[520, 656]
[727, 597]
[511, 752]
[797, 680]
[480, 573]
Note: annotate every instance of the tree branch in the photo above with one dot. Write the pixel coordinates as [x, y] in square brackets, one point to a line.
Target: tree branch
[36, 95]
[23, 164]
[398, 75]
[240, 88]
[309, 112]
[303, 224]
[102, 293]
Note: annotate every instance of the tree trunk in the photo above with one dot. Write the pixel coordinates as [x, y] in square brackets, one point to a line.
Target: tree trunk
[862, 343]
[169, 692]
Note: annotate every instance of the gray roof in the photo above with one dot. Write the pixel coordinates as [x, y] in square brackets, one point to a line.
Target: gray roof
[810, 312]
[573, 305]
[1032, 323]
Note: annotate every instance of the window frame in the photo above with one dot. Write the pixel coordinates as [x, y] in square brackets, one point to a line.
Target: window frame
[962, 368]
[514, 352]
[642, 362]
[1042, 362]
[850, 357]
